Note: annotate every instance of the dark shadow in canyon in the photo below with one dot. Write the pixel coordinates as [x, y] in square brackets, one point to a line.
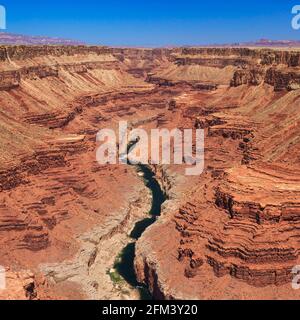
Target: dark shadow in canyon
[125, 263]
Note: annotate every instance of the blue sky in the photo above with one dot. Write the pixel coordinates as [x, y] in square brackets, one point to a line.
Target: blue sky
[153, 23]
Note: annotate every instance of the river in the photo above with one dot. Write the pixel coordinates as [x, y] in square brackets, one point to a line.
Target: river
[124, 265]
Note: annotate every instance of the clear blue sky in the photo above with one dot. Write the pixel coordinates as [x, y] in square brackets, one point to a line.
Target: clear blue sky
[153, 23]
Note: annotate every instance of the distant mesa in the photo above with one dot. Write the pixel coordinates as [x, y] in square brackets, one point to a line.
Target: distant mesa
[273, 43]
[18, 39]
[264, 43]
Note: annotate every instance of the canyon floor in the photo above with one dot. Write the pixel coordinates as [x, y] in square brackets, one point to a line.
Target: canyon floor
[231, 233]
